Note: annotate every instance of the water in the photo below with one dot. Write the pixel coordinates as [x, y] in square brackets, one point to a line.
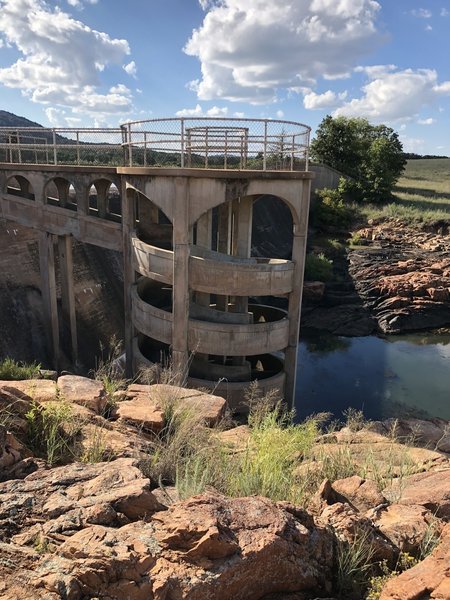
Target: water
[384, 377]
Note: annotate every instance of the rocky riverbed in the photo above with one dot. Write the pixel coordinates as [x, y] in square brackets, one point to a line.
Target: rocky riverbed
[398, 280]
[107, 530]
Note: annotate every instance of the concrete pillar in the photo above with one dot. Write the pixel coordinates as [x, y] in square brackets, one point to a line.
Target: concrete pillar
[67, 290]
[181, 251]
[102, 187]
[128, 200]
[242, 240]
[48, 291]
[63, 190]
[224, 241]
[204, 239]
[295, 297]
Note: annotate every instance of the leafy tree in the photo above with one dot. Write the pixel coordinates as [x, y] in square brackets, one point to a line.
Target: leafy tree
[371, 155]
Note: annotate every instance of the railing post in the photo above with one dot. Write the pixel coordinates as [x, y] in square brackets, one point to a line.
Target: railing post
[265, 147]
[292, 153]
[130, 152]
[55, 155]
[78, 147]
[182, 143]
[145, 148]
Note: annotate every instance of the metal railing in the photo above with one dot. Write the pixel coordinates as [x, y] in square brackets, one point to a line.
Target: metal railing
[207, 143]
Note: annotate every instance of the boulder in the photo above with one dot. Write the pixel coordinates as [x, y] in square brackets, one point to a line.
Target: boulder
[84, 391]
[39, 390]
[430, 490]
[68, 498]
[206, 547]
[144, 405]
[429, 579]
[362, 494]
[407, 527]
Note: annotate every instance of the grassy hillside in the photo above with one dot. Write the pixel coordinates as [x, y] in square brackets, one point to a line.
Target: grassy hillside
[421, 196]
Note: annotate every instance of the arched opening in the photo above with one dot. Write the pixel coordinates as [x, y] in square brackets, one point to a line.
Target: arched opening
[240, 277]
[153, 265]
[104, 200]
[20, 186]
[61, 192]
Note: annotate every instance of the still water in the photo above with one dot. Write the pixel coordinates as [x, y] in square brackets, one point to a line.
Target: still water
[384, 377]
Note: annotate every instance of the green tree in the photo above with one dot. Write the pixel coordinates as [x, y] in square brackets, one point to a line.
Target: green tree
[371, 155]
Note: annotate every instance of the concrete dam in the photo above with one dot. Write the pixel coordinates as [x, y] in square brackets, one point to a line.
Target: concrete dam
[174, 201]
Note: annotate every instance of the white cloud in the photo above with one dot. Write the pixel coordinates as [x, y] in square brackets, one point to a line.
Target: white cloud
[279, 114]
[429, 121]
[61, 58]
[445, 12]
[198, 111]
[410, 144]
[422, 13]
[328, 99]
[79, 3]
[249, 50]
[428, 28]
[130, 69]
[393, 95]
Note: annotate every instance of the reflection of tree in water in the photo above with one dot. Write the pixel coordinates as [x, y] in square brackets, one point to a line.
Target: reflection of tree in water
[324, 343]
[426, 338]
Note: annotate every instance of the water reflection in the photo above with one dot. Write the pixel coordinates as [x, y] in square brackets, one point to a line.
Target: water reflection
[394, 376]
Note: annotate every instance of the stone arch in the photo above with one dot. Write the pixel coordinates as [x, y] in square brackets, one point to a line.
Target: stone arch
[59, 191]
[104, 199]
[18, 185]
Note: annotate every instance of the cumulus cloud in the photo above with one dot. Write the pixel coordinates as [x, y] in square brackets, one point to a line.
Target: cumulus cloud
[392, 95]
[429, 121]
[198, 111]
[250, 50]
[327, 100]
[130, 69]
[61, 58]
[445, 12]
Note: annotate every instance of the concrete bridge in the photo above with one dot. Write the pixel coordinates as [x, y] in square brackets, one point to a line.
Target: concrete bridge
[185, 232]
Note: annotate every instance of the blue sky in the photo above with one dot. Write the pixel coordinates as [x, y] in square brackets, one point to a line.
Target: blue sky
[102, 62]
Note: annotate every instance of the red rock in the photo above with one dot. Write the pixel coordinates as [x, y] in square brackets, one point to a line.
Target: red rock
[84, 391]
[39, 390]
[431, 490]
[429, 579]
[406, 526]
[361, 493]
[207, 547]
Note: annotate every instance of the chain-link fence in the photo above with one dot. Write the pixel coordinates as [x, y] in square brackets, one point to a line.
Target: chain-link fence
[258, 144]
[254, 144]
[42, 146]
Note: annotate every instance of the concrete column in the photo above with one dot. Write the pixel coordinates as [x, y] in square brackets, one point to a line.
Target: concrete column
[48, 291]
[128, 199]
[63, 187]
[102, 187]
[242, 240]
[224, 241]
[67, 290]
[295, 297]
[204, 238]
[181, 251]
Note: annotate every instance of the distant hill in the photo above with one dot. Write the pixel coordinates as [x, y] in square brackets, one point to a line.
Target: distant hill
[8, 119]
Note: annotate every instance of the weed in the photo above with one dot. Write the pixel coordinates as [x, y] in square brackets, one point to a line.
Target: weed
[12, 370]
[354, 419]
[96, 449]
[353, 565]
[108, 372]
[47, 433]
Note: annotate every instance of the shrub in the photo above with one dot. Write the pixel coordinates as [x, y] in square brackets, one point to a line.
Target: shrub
[330, 210]
[318, 267]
